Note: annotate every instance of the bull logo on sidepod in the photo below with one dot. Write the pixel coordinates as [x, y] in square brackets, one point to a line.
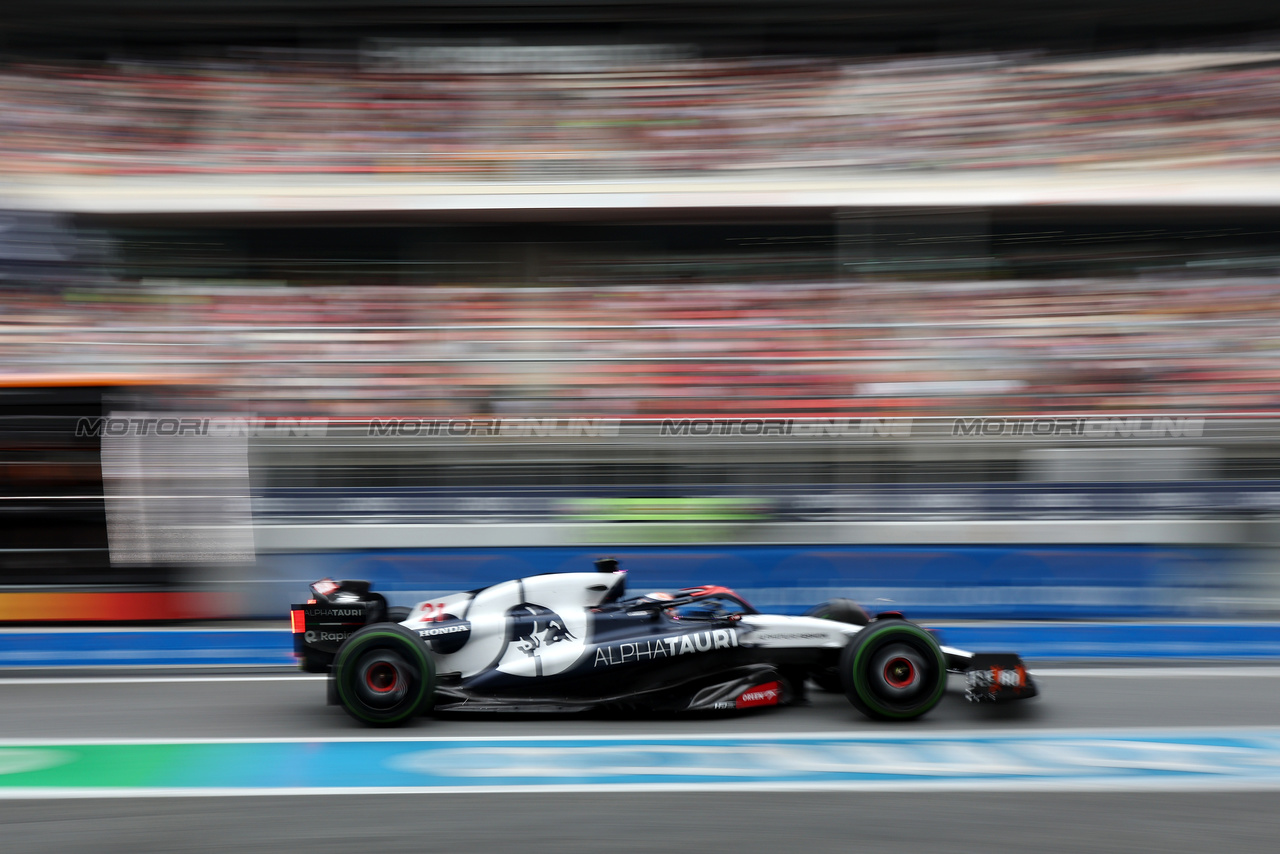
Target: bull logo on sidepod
[539, 642]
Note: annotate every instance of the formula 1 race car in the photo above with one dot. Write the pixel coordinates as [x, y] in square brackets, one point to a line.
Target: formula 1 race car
[572, 641]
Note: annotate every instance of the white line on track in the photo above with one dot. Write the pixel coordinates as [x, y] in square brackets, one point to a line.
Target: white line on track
[1201, 672]
[143, 680]
[1206, 671]
[858, 735]
[1147, 784]
[159, 631]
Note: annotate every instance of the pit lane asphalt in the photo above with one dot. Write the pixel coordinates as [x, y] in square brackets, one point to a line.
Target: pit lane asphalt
[567, 823]
[292, 705]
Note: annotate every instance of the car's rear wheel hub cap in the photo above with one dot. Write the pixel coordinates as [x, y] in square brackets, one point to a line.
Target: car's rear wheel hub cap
[381, 678]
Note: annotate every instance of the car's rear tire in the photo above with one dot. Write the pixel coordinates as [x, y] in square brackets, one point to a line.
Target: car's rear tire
[384, 675]
[893, 670]
[841, 611]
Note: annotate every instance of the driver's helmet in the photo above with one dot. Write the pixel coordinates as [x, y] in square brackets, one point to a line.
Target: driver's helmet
[700, 610]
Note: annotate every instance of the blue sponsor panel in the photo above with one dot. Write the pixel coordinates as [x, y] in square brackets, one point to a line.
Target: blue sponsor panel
[1064, 641]
[926, 582]
[149, 648]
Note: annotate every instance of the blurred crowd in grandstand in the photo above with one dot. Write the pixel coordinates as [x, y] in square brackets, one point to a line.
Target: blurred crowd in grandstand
[1134, 345]
[624, 345]
[296, 112]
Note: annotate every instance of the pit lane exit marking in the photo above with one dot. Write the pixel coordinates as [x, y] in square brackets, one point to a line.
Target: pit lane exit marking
[145, 680]
[1068, 760]
[1206, 671]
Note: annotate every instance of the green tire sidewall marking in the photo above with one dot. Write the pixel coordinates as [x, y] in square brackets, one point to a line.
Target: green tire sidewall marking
[425, 686]
[865, 694]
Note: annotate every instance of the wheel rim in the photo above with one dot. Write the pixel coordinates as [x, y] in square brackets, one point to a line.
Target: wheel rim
[382, 677]
[900, 673]
[383, 680]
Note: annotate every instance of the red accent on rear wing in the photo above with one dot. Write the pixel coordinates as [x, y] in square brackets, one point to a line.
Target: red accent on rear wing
[324, 587]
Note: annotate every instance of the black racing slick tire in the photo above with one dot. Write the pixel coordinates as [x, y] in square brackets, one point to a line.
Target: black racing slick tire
[384, 675]
[893, 670]
[398, 613]
[841, 611]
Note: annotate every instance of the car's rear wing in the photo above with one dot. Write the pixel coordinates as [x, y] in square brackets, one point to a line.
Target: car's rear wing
[336, 609]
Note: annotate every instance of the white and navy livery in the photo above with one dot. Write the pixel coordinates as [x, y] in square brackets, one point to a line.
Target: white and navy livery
[574, 641]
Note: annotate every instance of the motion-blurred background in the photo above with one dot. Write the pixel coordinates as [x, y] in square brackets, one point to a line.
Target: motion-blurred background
[969, 310]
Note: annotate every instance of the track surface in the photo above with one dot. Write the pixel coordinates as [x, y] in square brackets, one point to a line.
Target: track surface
[293, 706]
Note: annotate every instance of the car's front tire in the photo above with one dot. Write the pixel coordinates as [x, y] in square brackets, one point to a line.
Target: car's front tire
[893, 670]
[384, 675]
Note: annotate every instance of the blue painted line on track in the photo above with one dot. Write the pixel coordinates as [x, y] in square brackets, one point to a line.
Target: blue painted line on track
[266, 647]
[1007, 758]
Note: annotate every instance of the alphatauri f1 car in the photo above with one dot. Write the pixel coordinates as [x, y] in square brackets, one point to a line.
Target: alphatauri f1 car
[574, 641]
